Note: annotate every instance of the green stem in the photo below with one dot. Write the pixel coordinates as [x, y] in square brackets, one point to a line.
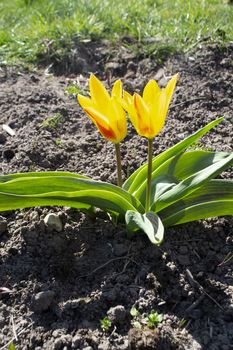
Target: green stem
[119, 168]
[149, 173]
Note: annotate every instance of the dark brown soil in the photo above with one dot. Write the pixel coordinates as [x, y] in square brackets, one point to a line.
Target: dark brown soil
[64, 283]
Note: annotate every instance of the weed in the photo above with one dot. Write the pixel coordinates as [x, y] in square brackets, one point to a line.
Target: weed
[72, 89]
[151, 320]
[58, 142]
[52, 122]
[105, 324]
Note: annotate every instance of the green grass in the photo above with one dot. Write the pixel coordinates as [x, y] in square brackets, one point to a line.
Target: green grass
[33, 29]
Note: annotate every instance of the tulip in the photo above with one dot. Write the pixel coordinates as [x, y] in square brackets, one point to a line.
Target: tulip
[107, 114]
[105, 110]
[148, 113]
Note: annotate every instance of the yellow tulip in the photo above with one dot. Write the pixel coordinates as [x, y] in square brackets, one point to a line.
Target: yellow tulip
[105, 110]
[148, 113]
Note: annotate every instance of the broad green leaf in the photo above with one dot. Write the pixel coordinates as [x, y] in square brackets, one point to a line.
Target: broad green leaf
[137, 178]
[191, 183]
[149, 223]
[178, 168]
[213, 199]
[9, 201]
[35, 184]
[80, 199]
[5, 178]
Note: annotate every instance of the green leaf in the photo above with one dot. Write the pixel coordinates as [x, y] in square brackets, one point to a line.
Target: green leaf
[149, 223]
[175, 169]
[215, 198]
[139, 176]
[11, 346]
[36, 184]
[191, 183]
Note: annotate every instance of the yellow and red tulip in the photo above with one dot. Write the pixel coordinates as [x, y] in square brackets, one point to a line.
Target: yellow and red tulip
[148, 112]
[104, 109]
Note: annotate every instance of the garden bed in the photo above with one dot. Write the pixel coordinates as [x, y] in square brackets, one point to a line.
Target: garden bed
[64, 283]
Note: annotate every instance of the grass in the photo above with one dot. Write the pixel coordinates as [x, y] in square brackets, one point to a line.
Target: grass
[34, 29]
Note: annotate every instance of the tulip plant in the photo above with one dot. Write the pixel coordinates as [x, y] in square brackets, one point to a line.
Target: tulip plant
[175, 187]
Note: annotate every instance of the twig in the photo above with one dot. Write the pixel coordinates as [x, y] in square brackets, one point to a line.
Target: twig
[10, 341]
[105, 264]
[189, 101]
[201, 289]
[13, 327]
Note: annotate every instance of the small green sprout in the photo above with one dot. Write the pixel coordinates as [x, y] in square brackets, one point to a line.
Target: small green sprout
[134, 312]
[11, 346]
[105, 324]
[154, 318]
[72, 89]
[58, 142]
[150, 320]
[52, 122]
[182, 323]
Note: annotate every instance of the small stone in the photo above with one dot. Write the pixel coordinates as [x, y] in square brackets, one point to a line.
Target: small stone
[88, 348]
[3, 225]
[63, 342]
[76, 341]
[43, 300]
[53, 222]
[104, 345]
[117, 314]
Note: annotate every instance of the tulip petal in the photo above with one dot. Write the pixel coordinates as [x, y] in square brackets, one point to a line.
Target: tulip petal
[117, 89]
[157, 114]
[97, 117]
[169, 92]
[102, 124]
[151, 90]
[143, 116]
[99, 94]
[84, 101]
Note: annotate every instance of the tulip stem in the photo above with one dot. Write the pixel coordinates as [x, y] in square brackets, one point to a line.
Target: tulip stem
[119, 168]
[149, 173]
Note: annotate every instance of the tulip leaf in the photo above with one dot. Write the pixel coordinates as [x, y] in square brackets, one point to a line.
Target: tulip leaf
[139, 176]
[178, 168]
[37, 184]
[191, 183]
[213, 199]
[149, 223]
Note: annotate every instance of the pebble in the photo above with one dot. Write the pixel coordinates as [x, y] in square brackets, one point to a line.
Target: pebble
[117, 314]
[104, 345]
[76, 341]
[63, 342]
[53, 222]
[3, 225]
[43, 300]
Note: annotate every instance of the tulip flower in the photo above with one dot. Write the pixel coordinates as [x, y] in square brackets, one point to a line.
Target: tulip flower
[107, 114]
[148, 113]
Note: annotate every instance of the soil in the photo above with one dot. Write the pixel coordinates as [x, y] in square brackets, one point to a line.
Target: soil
[63, 283]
